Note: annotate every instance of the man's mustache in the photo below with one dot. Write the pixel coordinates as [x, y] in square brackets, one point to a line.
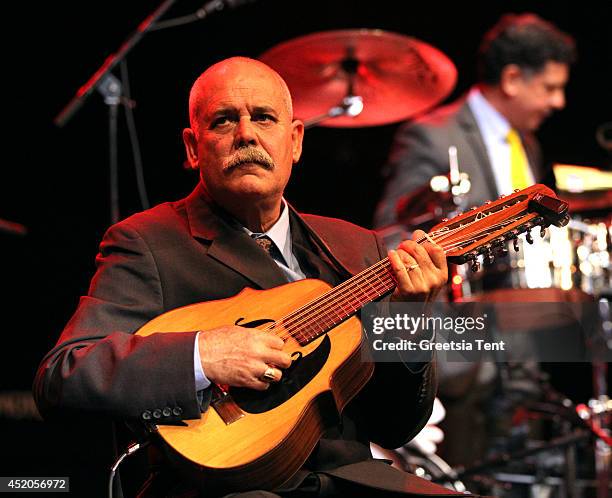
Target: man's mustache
[250, 155]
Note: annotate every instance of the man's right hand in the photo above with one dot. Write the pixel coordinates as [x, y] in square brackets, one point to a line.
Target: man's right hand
[238, 356]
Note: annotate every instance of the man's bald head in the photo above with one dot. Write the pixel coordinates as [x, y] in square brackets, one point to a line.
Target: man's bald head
[243, 137]
[234, 69]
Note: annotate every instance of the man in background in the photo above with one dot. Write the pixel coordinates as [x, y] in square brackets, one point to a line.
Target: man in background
[524, 64]
[523, 69]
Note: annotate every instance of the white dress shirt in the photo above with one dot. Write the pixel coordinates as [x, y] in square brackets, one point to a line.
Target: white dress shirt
[494, 128]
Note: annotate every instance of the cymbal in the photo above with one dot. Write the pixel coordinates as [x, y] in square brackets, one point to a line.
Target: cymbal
[396, 76]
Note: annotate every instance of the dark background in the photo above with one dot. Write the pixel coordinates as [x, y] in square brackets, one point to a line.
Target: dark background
[55, 181]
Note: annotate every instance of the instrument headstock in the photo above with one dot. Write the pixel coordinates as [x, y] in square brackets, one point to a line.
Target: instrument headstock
[487, 228]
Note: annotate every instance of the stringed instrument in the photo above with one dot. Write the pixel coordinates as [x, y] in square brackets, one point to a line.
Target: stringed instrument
[251, 439]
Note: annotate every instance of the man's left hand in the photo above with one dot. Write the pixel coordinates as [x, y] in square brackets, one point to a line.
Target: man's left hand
[420, 270]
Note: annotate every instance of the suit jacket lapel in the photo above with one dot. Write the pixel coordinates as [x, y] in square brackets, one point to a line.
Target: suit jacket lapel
[229, 244]
[324, 251]
[313, 263]
[466, 120]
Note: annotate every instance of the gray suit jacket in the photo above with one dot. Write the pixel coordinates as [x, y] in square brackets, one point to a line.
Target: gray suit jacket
[420, 151]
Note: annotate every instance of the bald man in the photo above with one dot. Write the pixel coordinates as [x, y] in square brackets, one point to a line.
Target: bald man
[244, 141]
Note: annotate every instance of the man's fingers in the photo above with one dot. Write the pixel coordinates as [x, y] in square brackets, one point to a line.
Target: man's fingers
[277, 358]
[270, 339]
[435, 251]
[400, 271]
[424, 265]
[438, 256]
[259, 385]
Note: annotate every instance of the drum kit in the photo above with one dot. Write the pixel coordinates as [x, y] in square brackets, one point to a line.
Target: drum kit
[363, 77]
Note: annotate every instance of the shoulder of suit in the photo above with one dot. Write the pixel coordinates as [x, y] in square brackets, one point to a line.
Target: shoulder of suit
[327, 223]
[336, 231]
[356, 247]
[160, 218]
[440, 116]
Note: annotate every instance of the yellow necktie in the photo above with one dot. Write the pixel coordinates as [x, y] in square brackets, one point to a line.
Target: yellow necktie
[519, 166]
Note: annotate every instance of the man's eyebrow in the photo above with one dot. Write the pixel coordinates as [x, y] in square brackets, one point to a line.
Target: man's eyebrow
[225, 111]
[265, 109]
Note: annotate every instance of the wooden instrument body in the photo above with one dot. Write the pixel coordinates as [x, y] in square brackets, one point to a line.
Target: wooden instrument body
[261, 450]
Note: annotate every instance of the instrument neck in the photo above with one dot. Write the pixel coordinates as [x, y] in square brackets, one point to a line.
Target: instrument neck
[340, 303]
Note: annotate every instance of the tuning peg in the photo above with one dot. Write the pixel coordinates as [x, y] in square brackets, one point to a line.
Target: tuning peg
[475, 266]
[489, 257]
[502, 196]
[528, 237]
[517, 190]
[444, 220]
[473, 208]
[542, 231]
[500, 246]
[515, 244]
[487, 203]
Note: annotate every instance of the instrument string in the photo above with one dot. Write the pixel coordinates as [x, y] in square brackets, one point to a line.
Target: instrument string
[346, 302]
[329, 299]
[341, 300]
[298, 323]
[339, 297]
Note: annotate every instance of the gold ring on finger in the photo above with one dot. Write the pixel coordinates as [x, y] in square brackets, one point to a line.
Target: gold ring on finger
[269, 375]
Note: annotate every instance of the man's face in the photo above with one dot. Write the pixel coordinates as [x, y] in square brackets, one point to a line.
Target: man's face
[244, 141]
[535, 96]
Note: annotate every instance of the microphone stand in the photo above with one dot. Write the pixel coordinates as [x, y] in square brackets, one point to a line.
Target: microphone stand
[111, 61]
[110, 87]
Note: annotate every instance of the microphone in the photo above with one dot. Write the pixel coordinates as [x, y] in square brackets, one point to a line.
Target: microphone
[206, 10]
[218, 5]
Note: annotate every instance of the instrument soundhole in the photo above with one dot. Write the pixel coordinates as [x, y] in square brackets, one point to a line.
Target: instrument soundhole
[302, 370]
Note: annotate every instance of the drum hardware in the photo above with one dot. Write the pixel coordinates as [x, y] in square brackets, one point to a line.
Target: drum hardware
[532, 462]
[361, 77]
[497, 466]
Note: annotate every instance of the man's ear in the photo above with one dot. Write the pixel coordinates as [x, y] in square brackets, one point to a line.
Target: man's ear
[297, 135]
[191, 147]
[511, 79]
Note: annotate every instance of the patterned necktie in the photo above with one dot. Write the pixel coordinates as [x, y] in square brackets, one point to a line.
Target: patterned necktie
[269, 246]
[519, 166]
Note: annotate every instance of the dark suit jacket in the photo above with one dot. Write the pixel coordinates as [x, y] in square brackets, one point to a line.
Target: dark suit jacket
[420, 151]
[184, 252]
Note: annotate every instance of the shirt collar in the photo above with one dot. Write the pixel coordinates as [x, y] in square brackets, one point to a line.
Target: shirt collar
[487, 116]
